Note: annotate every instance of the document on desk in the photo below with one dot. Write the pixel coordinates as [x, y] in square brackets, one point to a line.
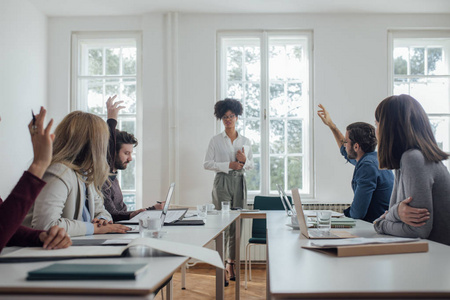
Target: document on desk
[368, 246]
[313, 213]
[172, 215]
[206, 255]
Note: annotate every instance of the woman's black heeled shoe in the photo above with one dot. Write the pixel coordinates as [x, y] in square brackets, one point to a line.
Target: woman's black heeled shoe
[232, 273]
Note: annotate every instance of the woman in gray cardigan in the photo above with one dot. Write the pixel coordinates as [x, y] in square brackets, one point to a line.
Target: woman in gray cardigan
[420, 201]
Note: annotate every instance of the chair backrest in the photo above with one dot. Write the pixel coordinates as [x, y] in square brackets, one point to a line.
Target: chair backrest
[265, 203]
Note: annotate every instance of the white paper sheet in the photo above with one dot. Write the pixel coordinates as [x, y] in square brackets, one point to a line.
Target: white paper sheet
[206, 255]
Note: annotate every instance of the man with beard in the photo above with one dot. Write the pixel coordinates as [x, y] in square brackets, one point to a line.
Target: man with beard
[121, 145]
[372, 187]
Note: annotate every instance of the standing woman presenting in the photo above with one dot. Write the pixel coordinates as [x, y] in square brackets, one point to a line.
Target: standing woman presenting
[229, 155]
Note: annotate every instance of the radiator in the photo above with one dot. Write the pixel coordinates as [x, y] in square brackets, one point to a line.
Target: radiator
[258, 253]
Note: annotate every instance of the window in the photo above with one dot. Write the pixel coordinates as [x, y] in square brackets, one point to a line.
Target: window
[420, 68]
[269, 72]
[104, 65]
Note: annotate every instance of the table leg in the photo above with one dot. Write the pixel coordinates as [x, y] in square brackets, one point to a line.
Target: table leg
[169, 290]
[220, 276]
[183, 276]
[238, 258]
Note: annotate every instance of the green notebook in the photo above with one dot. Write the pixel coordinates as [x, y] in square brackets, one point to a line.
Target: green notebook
[87, 272]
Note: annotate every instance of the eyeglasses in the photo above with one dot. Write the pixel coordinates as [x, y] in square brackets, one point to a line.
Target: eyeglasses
[228, 117]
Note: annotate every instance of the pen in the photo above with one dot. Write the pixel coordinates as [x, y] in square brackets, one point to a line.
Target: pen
[34, 118]
[33, 127]
[158, 202]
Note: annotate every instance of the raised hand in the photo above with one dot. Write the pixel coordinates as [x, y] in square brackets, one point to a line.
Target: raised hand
[42, 143]
[324, 115]
[113, 108]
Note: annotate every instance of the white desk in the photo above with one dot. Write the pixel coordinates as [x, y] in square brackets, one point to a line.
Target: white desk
[294, 272]
[12, 275]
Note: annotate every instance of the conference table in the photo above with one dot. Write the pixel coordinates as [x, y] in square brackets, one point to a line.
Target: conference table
[294, 272]
[160, 271]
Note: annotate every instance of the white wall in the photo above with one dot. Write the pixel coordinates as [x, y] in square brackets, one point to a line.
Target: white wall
[23, 84]
[350, 79]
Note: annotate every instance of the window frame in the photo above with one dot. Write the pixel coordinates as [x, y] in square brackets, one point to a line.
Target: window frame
[411, 35]
[78, 36]
[263, 36]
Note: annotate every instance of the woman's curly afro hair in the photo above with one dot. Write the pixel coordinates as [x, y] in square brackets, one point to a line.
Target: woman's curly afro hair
[225, 105]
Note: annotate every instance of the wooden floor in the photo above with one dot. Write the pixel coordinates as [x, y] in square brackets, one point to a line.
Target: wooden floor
[201, 284]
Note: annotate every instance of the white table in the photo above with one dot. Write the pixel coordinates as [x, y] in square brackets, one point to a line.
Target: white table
[13, 283]
[294, 272]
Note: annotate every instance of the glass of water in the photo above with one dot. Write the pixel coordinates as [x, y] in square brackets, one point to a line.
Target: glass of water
[324, 220]
[202, 211]
[150, 227]
[225, 206]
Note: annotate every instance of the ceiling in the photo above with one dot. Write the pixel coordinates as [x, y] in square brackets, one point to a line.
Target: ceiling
[66, 8]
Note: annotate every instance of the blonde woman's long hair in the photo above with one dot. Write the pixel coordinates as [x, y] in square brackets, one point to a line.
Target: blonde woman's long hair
[81, 143]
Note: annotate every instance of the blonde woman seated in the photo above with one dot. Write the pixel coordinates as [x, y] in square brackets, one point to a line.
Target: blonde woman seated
[72, 197]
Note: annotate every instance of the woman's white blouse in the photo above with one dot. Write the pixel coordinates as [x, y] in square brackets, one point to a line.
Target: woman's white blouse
[221, 152]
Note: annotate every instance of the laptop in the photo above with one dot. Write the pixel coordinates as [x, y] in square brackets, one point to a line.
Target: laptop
[178, 221]
[290, 211]
[314, 233]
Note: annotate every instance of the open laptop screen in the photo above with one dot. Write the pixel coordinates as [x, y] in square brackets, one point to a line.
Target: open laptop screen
[167, 204]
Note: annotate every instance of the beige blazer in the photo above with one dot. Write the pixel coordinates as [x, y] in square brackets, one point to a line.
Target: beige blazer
[60, 202]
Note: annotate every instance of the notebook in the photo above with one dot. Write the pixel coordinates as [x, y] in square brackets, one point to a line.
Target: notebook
[314, 233]
[59, 271]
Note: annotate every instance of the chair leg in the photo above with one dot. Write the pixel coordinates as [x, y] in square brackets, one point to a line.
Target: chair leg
[249, 267]
[246, 258]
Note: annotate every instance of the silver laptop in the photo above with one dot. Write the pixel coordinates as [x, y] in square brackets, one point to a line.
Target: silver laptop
[285, 201]
[167, 204]
[314, 233]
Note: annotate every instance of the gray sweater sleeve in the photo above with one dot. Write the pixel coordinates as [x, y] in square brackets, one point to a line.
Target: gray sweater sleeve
[416, 181]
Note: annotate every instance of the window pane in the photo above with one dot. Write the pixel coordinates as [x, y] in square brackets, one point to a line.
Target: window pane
[253, 177]
[277, 100]
[401, 61]
[295, 172]
[252, 64]
[112, 87]
[90, 93]
[432, 93]
[128, 125]
[95, 62]
[129, 61]
[128, 95]
[417, 61]
[441, 130]
[435, 62]
[401, 86]
[276, 172]
[276, 143]
[112, 61]
[294, 91]
[284, 61]
[128, 176]
[253, 132]
[130, 201]
[252, 100]
[234, 63]
[295, 136]
[235, 91]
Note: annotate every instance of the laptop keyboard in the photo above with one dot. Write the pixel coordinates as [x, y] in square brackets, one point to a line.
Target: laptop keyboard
[320, 233]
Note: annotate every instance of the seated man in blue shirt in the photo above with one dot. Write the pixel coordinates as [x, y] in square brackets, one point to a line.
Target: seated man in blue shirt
[372, 187]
